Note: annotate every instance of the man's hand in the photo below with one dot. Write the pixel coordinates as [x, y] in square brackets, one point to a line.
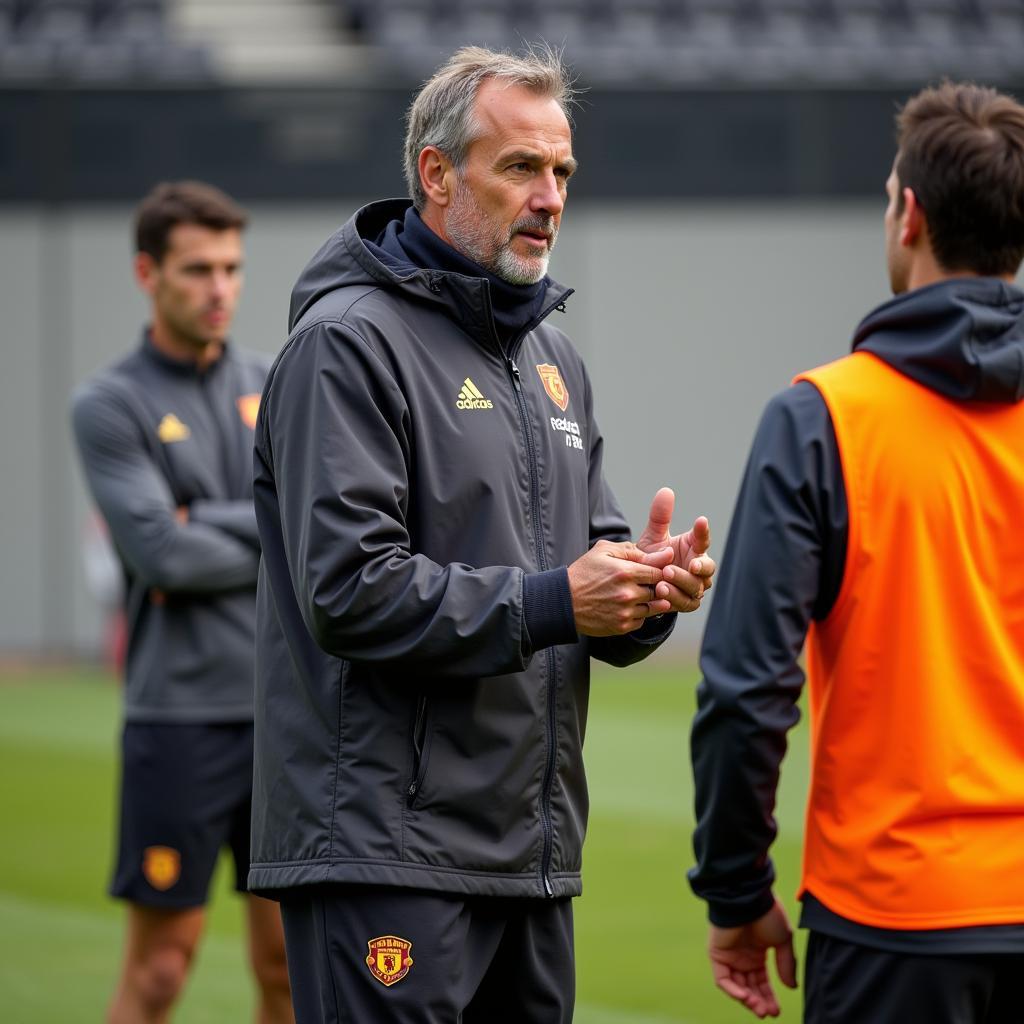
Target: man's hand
[689, 575]
[613, 588]
[739, 960]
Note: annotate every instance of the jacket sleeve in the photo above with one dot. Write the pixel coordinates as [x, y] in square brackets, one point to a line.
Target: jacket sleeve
[235, 517]
[139, 509]
[607, 522]
[783, 565]
[333, 448]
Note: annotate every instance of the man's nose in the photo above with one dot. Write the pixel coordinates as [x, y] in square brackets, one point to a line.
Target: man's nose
[547, 197]
[221, 284]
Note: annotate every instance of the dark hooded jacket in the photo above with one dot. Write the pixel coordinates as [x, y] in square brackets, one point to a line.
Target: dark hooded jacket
[420, 487]
[783, 567]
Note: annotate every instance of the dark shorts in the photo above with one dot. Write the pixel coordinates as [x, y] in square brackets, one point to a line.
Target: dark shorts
[848, 983]
[186, 792]
[403, 956]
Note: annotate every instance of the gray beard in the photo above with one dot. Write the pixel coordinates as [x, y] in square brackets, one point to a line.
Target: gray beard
[476, 236]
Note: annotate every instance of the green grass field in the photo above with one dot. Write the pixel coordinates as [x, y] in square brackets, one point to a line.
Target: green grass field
[639, 933]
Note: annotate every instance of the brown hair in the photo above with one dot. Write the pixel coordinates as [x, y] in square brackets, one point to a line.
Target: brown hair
[961, 150]
[183, 202]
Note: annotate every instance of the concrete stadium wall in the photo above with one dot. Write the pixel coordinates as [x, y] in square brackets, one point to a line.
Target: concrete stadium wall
[690, 317]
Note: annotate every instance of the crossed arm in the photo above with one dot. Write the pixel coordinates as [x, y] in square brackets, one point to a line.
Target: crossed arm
[211, 548]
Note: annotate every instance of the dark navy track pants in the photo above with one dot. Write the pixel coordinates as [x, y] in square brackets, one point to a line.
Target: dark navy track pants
[361, 954]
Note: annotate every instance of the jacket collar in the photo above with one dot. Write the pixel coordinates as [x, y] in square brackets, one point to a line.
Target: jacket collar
[462, 298]
[962, 337]
[182, 367]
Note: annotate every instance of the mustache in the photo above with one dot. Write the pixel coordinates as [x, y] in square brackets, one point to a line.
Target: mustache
[543, 225]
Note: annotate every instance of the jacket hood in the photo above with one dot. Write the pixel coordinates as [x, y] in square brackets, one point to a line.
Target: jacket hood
[963, 338]
[346, 259]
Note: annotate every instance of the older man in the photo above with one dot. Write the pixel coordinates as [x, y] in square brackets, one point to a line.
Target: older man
[442, 557]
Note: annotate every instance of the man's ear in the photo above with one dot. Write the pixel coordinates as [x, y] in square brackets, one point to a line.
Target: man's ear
[913, 221]
[437, 175]
[146, 270]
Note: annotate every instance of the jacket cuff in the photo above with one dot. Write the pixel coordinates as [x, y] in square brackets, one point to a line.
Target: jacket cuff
[734, 901]
[735, 913]
[547, 608]
[656, 629]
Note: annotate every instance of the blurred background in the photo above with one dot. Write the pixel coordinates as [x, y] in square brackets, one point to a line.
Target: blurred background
[724, 230]
[723, 233]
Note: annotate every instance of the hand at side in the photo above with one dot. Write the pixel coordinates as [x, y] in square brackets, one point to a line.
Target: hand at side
[739, 960]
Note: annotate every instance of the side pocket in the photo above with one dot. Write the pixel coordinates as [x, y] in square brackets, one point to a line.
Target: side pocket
[342, 679]
[420, 749]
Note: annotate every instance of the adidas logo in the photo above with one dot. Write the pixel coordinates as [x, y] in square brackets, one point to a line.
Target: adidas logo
[171, 429]
[471, 398]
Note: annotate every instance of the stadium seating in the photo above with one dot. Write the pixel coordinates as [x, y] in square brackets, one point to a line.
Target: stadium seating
[799, 41]
[7, 16]
[93, 40]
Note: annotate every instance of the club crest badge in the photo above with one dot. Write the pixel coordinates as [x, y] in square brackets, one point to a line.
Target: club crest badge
[388, 958]
[248, 406]
[162, 866]
[554, 385]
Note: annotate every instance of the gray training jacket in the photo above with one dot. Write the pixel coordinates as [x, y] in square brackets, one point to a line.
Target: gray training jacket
[418, 491]
[154, 434]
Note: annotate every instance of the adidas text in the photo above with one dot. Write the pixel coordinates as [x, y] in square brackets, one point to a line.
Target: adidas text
[470, 397]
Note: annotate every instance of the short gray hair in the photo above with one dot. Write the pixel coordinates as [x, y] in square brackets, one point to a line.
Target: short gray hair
[441, 115]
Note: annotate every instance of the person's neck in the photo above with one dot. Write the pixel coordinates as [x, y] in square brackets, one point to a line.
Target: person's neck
[433, 220]
[172, 344]
[925, 276]
[925, 269]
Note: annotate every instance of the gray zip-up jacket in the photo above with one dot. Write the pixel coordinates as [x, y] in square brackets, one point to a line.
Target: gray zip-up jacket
[421, 693]
[155, 435]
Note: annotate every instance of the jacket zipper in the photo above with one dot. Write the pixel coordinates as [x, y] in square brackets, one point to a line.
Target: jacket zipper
[542, 563]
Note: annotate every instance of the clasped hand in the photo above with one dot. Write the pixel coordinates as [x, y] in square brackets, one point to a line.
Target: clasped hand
[616, 586]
